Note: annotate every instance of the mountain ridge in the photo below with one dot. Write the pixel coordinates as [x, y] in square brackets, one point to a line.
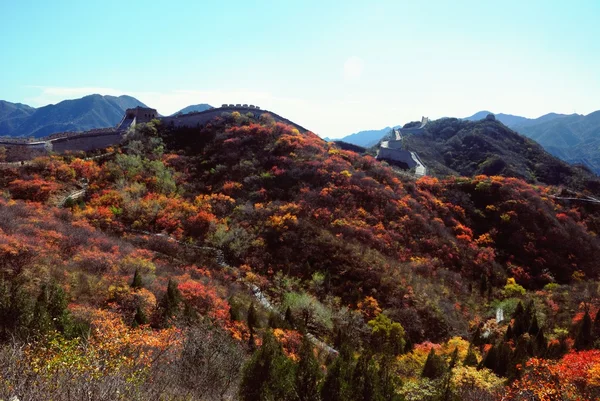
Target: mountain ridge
[88, 112]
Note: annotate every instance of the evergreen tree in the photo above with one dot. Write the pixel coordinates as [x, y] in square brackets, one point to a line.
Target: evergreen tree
[477, 340]
[42, 321]
[596, 330]
[490, 360]
[337, 383]
[365, 380]
[269, 374]
[518, 357]
[289, 317]
[434, 367]
[137, 280]
[520, 324]
[509, 333]
[534, 328]
[470, 358]
[57, 308]
[504, 355]
[584, 339]
[540, 344]
[388, 380]
[252, 317]
[453, 361]
[140, 317]
[308, 373]
[170, 303]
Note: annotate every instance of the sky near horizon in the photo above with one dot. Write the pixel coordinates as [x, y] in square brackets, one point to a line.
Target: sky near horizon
[335, 67]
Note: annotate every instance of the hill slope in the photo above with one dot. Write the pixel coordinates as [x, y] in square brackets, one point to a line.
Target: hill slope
[125, 293]
[89, 112]
[573, 138]
[453, 146]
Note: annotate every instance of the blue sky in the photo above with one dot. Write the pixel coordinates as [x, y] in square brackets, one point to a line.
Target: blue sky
[335, 67]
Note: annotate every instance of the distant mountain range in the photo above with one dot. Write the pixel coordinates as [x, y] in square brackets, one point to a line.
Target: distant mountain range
[193, 109]
[89, 112]
[452, 146]
[365, 139]
[86, 113]
[574, 138]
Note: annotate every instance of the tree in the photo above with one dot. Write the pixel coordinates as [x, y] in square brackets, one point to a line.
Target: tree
[170, 303]
[140, 317]
[470, 358]
[308, 373]
[337, 385]
[386, 335]
[137, 280]
[584, 339]
[269, 375]
[434, 367]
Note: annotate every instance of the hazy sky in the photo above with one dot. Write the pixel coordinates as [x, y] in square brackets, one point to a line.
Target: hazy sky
[335, 67]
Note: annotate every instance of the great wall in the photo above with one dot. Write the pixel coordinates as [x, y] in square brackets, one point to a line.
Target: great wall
[19, 150]
[394, 150]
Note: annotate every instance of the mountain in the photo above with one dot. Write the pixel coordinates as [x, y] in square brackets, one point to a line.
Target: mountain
[12, 115]
[515, 121]
[89, 112]
[211, 262]
[573, 138]
[193, 108]
[365, 138]
[452, 146]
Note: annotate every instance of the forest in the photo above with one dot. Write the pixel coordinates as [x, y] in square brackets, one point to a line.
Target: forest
[243, 260]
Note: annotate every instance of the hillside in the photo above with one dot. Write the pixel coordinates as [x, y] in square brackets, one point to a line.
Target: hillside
[193, 108]
[89, 112]
[199, 258]
[572, 138]
[459, 147]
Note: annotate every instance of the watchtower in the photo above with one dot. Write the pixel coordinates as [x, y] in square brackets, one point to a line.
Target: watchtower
[141, 114]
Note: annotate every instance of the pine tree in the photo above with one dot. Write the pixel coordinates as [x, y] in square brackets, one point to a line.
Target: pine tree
[170, 303]
[520, 324]
[140, 317]
[534, 328]
[434, 366]
[540, 344]
[509, 333]
[308, 373]
[584, 339]
[490, 360]
[504, 354]
[596, 330]
[137, 280]
[448, 379]
[42, 321]
[518, 357]
[477, 340]
[269, 374]
[337, 384]
[252, 317]
[470, 358]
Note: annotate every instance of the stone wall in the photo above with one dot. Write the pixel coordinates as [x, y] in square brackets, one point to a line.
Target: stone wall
[192, 120]
[396, 155]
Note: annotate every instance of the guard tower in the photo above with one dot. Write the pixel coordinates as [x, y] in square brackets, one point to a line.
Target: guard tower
[137, 115]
